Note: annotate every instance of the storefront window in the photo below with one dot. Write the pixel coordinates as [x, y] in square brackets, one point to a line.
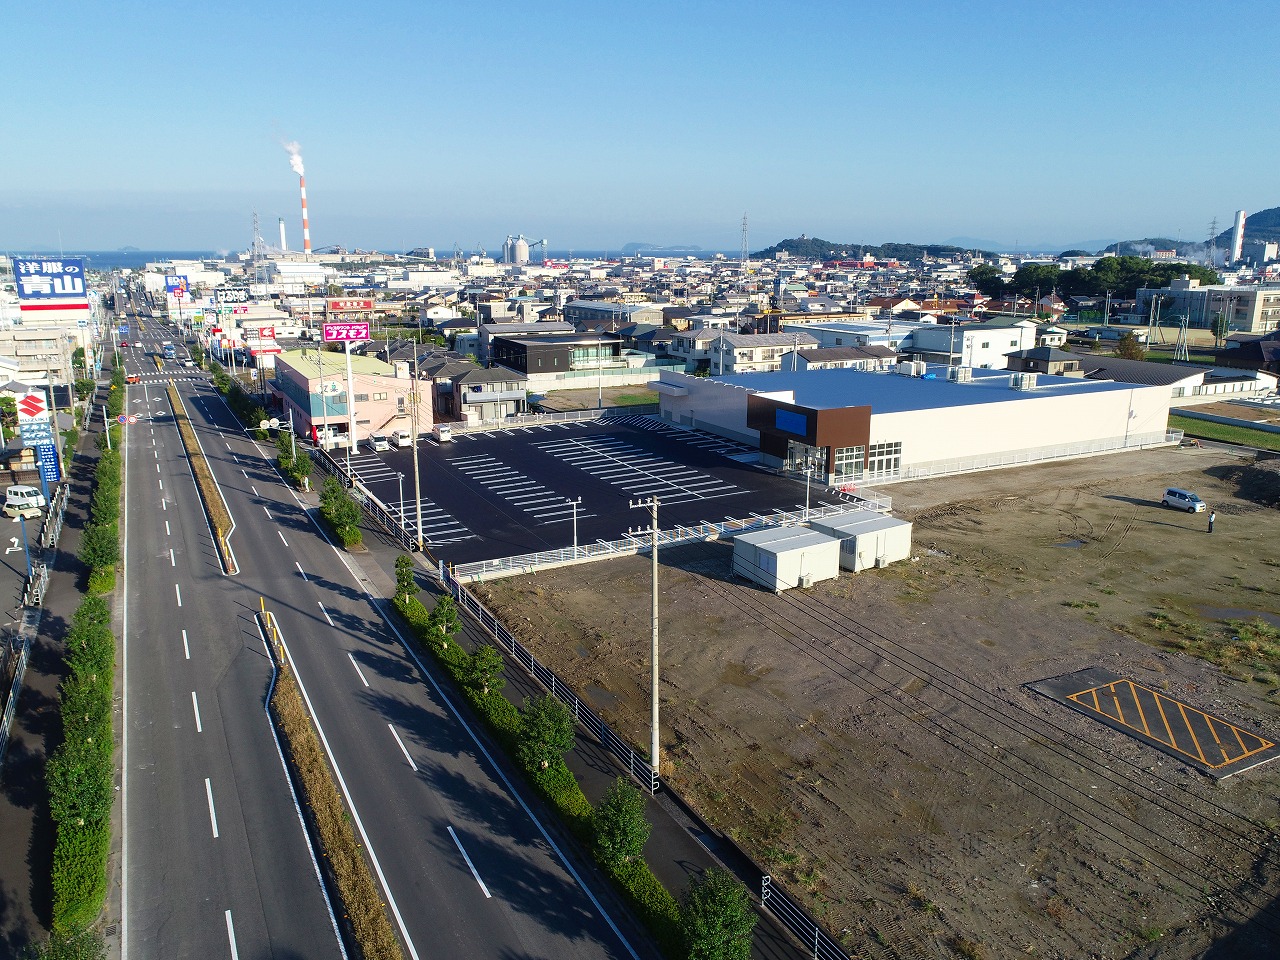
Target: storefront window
[849, 463]
[884, 460]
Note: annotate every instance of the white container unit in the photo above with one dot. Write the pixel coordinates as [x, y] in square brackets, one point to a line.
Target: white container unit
[867, 539]
[785, 557]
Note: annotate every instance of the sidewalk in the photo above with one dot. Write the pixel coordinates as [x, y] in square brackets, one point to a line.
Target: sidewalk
[679, 847]
[26, 829]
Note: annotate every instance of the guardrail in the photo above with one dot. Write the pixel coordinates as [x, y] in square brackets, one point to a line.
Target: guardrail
[636, 763]
[640, 542]
[799, 923]
[37, 584]
[531, 420]
[51, 527]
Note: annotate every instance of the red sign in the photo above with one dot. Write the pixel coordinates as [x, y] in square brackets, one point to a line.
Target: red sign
[266, 333]
[32, 405]
[350, 306]
[345, 331]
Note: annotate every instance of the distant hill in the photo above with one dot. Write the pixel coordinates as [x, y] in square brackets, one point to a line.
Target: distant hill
[635, 247]
[814, 248]
[1263, 226]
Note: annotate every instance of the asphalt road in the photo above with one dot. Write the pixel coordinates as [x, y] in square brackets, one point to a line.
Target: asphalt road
[466, 869]
[215, 858]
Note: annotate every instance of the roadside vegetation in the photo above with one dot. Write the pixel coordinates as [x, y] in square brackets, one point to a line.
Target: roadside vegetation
[293, 466]
[1247, 649]
[363, 911]
[715, 920]
[210, 495]
[340, 512]
[1225, 433]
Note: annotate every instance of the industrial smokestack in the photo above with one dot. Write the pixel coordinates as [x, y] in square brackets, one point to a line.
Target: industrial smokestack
[295, 162]
[1237, 238]
[283, 244]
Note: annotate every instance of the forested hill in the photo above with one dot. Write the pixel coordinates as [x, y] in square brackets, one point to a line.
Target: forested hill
[813, 248]
[1263, 225]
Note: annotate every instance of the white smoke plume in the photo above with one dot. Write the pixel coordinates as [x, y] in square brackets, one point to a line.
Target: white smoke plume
[295, 157]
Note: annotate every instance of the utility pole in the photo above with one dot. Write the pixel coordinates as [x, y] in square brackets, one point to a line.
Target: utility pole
[413, 425]
[652, 504]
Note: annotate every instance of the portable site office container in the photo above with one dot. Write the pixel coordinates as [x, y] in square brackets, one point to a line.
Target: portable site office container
[867, 539]
[785, 557]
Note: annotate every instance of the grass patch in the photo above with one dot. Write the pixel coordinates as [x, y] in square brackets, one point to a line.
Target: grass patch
[1225, 433]
[361, 900]
[635, 399]
[1249, 649]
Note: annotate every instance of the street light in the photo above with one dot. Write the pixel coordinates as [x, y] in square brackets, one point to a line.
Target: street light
[574, 504]
[400, 476]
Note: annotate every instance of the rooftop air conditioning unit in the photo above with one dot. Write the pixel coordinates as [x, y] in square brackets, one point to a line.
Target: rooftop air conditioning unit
[806, 581]
[960, 374]
[1023, 381]
[912, 368]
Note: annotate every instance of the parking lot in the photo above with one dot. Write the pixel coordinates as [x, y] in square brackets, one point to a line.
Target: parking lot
[508, 493]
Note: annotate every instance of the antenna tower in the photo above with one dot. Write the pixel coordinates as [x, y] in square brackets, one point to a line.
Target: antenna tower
[744, 244]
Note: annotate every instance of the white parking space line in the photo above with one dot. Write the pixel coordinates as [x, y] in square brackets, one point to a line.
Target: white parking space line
[326, 613]
[255, 490]
[470, 866]
[359, 672]
[213, 814]
[246, 475]
[403, 750]
[195, 705]
[267, 512]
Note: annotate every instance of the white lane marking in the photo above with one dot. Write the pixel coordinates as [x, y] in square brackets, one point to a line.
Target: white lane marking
[300, 570]
[157, 453]
[281, 535]
[213, 814]
[185, 647]
[402, 749]
[195, 705]
[157, 466]
[471, 866]
[255, 490]
[360, 673]
[326, 613]
[231, 936]
[267, 512]
[178, 591]
[246, 475]
[228, 445]
[172, 561]
[355, 813]
[161, 482]
[166, 529]
[164, 505]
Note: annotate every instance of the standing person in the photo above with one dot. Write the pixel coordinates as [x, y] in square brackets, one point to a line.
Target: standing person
[1212, 517]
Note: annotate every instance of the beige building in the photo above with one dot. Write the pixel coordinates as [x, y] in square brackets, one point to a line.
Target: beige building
[313, 387]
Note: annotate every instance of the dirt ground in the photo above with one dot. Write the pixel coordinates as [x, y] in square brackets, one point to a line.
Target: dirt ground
[873, 741]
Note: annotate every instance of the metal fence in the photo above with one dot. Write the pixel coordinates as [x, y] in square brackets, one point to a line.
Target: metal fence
[11, 705]
[799, 923]
[1012, 458]
[640, 542]
[370, 505]
[51, 527]
[37, 584]
[637, 764]
[534, 420]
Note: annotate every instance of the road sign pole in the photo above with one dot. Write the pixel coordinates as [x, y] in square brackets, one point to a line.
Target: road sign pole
[26, 549]
[351, 408]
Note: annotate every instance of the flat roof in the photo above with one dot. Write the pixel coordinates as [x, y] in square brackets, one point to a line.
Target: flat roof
[782, 539]
[894, 393]
[325, 363]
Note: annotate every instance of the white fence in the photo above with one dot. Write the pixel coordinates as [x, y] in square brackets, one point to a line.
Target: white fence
[1013, 458]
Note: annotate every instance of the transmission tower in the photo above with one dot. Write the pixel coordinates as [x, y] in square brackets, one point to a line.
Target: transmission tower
[1213, 243]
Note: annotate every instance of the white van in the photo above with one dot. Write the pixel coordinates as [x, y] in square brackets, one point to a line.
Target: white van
[23, 501]
[1182, 500]
[402, 438]
[379, 441]
[444, 433]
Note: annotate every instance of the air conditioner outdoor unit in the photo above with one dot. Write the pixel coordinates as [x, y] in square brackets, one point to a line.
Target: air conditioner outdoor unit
[960, 374]
[1023, 381]
[806, 581]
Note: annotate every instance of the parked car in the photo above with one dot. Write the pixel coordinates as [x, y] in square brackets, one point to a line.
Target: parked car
[24, 501]
[1182, 500]
[402, 438]
[379, 441]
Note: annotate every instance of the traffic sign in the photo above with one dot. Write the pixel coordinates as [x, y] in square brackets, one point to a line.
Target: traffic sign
[132, 419]
[122, 419]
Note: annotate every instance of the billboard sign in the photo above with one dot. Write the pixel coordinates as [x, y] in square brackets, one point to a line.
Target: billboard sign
[232, 294]
[47, 284]
[36, 427]
[349, 306]
[175, 285]
[337, 332]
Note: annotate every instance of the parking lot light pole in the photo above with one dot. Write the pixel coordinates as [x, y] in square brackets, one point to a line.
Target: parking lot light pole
[652, 504]
[575, 524]
[400, 476]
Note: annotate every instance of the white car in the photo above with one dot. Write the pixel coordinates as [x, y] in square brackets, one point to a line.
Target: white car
[379, 441]
[402, 438]
[24, 501]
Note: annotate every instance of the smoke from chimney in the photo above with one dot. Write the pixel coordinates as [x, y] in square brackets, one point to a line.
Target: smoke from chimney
[295, 157]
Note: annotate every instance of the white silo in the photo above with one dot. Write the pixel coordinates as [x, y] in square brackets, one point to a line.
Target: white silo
[520, 250]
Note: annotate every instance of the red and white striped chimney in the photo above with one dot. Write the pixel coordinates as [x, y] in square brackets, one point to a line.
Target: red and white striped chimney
[306, 230]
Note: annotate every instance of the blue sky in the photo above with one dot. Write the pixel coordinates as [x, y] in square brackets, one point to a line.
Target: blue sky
[159, 125]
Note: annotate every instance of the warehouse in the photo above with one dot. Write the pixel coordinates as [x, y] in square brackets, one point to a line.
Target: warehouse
[849, 427]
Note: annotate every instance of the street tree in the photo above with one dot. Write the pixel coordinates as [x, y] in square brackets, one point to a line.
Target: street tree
[618, 825]
[717, 918]
[1129, 348]
[546, 732]
[444, 621]
[100, 546]
[405, 585]
[482, 671]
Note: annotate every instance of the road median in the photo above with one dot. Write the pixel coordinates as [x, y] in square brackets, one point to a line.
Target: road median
[215, 506]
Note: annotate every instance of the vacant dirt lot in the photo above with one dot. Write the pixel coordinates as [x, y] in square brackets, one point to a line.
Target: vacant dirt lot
[874, 742]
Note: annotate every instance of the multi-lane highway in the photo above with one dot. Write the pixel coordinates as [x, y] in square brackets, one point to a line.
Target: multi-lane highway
[466, 868]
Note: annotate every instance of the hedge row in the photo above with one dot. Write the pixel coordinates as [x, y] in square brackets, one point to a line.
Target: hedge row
[100, 543]
[362, 902]
[214, 505]
[80, 773]
[556, 783]
[340, 511]
[247, 410]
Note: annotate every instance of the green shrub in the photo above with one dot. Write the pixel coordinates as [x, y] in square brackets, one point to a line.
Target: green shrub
[79, 875]
[102, 580]
[83, 944]
[546, 732]
[92, 610]
[717, 917]
[100, 546]
[619, 827]
[482, 670]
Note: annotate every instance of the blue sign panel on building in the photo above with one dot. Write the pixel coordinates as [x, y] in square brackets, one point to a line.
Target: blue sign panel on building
[49, 284]
[50, 469]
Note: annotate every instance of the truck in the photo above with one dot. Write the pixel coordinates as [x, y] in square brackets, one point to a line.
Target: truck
[169, 350]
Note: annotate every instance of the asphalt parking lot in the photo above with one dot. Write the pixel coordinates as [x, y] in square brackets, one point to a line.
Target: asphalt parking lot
[513, 492]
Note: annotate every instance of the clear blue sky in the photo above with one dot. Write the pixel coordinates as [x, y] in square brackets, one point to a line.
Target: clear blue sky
[594, 124]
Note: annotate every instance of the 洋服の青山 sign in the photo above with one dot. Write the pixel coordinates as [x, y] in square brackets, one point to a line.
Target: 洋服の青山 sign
[350, 306]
